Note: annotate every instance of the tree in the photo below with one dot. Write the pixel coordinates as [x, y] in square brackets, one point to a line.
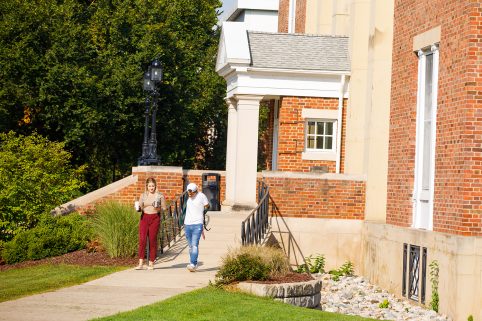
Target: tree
[71, 70]
[35, 177]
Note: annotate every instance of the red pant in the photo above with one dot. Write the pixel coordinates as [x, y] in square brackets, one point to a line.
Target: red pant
[149, 226]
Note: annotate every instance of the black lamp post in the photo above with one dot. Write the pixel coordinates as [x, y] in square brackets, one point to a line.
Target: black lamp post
[152, 77]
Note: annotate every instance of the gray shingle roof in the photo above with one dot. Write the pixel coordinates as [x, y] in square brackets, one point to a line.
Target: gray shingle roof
[298, 51]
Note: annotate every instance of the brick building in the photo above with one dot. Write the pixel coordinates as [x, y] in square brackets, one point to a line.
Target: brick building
[373, 143]
[376, 159]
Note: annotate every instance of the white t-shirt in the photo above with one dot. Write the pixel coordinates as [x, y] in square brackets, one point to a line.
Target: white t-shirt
[195, 209]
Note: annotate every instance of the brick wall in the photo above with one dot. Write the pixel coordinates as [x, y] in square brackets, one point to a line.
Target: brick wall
[283, 16]
[291, 139]
[170, 182]
[458, 177]
[317, 196]
[300, 21]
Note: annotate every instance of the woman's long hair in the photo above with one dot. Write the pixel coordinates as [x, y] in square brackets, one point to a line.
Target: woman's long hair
[151, 180]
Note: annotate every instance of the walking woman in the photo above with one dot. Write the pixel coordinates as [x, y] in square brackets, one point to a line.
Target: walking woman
[151, 203]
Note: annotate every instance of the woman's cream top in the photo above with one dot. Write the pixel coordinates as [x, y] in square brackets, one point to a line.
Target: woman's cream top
[146, 201]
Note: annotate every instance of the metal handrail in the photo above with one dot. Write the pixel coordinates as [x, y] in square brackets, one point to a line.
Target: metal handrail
[172, 222]
[255, 226]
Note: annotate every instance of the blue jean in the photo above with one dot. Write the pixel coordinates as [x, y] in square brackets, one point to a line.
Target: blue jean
[193, 234]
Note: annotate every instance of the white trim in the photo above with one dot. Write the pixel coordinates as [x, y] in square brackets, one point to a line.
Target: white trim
[433, 144]
[277, 84]
[339, 123]
[419, 195]
[312, 155]
[319, 113]
[298, 71]
[292, 16]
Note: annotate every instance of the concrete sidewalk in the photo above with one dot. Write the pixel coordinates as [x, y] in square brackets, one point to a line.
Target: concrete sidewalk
[130, 289]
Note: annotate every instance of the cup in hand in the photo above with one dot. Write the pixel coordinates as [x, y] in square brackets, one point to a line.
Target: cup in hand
[137, 206]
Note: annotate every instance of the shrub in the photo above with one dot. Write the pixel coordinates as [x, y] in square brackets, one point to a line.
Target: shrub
[51, 237]
[252, 263]
[434, 272]
[116, 226]
[35, 176]
[313, 264]
[345, 270]
[384, 305]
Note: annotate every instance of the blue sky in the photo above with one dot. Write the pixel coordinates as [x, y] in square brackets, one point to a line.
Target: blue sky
[227, 4]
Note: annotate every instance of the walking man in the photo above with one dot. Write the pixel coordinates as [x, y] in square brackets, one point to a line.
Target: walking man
[197, 203]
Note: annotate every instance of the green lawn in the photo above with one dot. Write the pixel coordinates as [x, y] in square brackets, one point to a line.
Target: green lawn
[212, 304]
[21, 282]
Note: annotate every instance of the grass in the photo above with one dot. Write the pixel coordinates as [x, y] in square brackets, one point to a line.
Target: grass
[213, 304]
[21, 282]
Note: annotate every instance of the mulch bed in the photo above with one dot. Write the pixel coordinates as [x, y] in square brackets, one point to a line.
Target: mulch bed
[81, 257]
[288, 278]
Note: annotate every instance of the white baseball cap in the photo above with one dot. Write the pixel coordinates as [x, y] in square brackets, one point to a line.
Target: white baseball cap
[192, 187]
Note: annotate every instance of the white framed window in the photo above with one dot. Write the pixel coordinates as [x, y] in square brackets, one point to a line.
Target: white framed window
[320, 139]
[423, 193]
[320, 135]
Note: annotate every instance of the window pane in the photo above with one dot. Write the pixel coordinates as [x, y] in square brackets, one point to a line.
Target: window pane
[329, 128]
[319, 143]
[320, 128]
[427, 139]
[428, 87]
[311, 142]
[311, 127]
[328, 142]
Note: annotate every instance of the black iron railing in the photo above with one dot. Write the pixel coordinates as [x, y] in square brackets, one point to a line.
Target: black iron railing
[255, 226]
[172, 221]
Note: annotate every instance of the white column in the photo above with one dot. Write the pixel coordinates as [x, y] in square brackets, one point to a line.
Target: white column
[231, 152]
[246, 151]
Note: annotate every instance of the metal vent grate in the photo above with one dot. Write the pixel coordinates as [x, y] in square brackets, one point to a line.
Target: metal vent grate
[414, 272]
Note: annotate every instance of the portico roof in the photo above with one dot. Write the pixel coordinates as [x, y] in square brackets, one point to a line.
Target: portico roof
[281, 64]
[298, 51]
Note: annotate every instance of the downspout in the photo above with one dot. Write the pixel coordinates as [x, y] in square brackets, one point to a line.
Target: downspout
[339, 123]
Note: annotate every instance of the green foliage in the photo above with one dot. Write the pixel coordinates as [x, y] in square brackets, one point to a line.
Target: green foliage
[35, 177]
[72, 70]
[214, 303]
[52, 236]
[434, 272]
[241, 268]
[384, 305]
[314, 264]
[117, 227]
[345, 270]
[252, 263]
[470, 318]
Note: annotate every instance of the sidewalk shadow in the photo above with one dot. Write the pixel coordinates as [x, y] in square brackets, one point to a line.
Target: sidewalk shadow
[173, 252]
[183, 266]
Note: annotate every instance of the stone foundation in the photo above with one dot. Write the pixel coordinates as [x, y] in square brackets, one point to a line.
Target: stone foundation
[302, 294]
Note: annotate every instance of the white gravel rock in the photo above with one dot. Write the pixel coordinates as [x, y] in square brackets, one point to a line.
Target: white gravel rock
[353, 295]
